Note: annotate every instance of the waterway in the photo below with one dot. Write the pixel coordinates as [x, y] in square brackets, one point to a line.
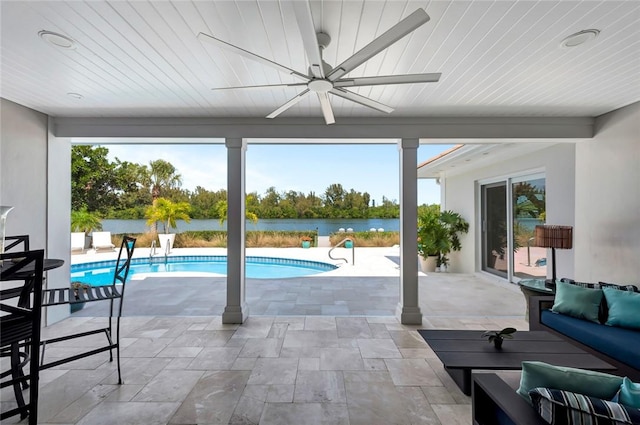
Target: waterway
[323, 226]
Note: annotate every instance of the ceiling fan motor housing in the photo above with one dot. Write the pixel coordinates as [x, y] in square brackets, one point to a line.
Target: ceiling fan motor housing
[320, 86]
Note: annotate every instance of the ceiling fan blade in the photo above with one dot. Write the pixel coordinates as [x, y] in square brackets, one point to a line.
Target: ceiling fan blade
[388, 79]
[365, 101]
[309, 38]
[247, 54]
[327, 110]
[259, 86]
[395, 33]
[289, 104]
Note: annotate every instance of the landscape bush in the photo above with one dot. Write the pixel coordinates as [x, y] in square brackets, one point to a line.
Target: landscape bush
[265, 239]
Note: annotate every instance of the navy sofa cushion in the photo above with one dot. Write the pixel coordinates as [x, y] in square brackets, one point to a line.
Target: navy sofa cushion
[619, 343]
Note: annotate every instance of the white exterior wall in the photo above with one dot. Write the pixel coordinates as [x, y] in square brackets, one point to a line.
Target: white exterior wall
[30, 157]
[462, 195]
[23, 171]
[607, 234]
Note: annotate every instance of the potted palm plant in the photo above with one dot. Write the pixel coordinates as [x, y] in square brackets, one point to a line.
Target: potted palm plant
[167, 212]
[453, 225]
[432, 237]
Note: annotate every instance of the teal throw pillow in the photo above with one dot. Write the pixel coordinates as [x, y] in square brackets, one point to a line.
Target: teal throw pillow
[629, 393]
[576, 301]
[587, 382]
[624, 308]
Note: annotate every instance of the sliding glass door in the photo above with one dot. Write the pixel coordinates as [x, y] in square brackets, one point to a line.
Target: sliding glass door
[494, 229]
[511, 208]
[529, 209]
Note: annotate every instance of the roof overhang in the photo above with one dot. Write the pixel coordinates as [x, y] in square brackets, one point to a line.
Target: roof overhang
[463, 158]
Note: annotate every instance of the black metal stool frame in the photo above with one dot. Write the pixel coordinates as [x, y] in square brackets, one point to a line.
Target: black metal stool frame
[111, 292]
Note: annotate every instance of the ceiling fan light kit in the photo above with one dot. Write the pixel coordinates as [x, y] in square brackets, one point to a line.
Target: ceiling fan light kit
[322, 79]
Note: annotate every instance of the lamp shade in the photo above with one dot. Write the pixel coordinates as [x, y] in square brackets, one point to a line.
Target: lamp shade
[551, 236]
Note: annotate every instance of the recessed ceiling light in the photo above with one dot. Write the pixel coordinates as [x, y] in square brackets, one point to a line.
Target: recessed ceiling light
[579, 38]
[57, 40]
[75, 95]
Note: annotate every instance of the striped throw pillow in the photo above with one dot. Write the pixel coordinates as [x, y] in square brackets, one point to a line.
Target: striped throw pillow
[557, 407]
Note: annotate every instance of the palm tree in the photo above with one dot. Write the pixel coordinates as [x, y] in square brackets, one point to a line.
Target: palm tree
[168, 213]
[163, 176]
[222, 207]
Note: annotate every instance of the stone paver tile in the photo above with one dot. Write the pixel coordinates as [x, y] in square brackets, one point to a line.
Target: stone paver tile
[340, 359]
[262, 347]
[131, 413]
[378, 349]
[280, 394]
[417, 353]
[305, 413]
[353, 327]
[254, 327]
[145, 347]
[418, 408]
[175, 352]
[406, 339]
[124, 392]
[202, 338]
[274, 371]
[247, 412]
[61, 392]
[309, 363]
[213, 398]
[169, 385]
[375, 404]
[438, 395]
[453, 414]
[139, 370]
[309, 339]
[412, 372]
[319, 323]
[215, 358]
[319, 387]
[374, 364]
[244, 363]
[84, 404]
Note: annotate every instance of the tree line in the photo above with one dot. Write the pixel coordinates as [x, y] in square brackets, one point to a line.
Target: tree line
[124, 190]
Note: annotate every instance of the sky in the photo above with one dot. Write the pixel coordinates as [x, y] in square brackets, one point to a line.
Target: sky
[304, 168]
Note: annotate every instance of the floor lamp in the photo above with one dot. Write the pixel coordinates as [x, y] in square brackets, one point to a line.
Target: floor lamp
[550, 236]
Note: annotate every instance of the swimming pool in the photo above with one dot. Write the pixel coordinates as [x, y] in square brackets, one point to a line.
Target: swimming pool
[101, 273]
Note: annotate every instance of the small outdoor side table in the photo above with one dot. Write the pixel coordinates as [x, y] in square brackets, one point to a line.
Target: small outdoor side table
[530, 287]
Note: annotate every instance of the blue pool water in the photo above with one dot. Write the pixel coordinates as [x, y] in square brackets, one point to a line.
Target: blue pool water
[101, 273]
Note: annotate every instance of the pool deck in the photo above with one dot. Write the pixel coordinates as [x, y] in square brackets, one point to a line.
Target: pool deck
[368, 261]
[368, 288]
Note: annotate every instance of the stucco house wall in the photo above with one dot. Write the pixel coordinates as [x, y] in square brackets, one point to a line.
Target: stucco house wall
[30, 158]
[23, 170]
[592, 184]
[607, 235]
[463, 196]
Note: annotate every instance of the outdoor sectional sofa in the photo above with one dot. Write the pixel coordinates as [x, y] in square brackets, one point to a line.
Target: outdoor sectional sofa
[619, 346]
[494, 398]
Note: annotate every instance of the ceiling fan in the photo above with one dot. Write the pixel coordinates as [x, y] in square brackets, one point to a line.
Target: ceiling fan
[322, 79]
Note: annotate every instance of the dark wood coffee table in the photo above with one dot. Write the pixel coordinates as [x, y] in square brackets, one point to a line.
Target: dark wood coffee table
[462, 351]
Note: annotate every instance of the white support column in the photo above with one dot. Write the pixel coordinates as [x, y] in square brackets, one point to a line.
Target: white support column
[408, 311]
[236, 310]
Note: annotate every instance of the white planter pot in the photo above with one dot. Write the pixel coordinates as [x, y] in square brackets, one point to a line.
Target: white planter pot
[166, 238]
[428, 265]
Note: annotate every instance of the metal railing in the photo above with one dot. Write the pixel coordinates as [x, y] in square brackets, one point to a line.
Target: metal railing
[152, 251]
[353, 251]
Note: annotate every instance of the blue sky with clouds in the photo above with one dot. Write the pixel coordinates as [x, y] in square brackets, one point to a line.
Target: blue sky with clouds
[364, 168]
